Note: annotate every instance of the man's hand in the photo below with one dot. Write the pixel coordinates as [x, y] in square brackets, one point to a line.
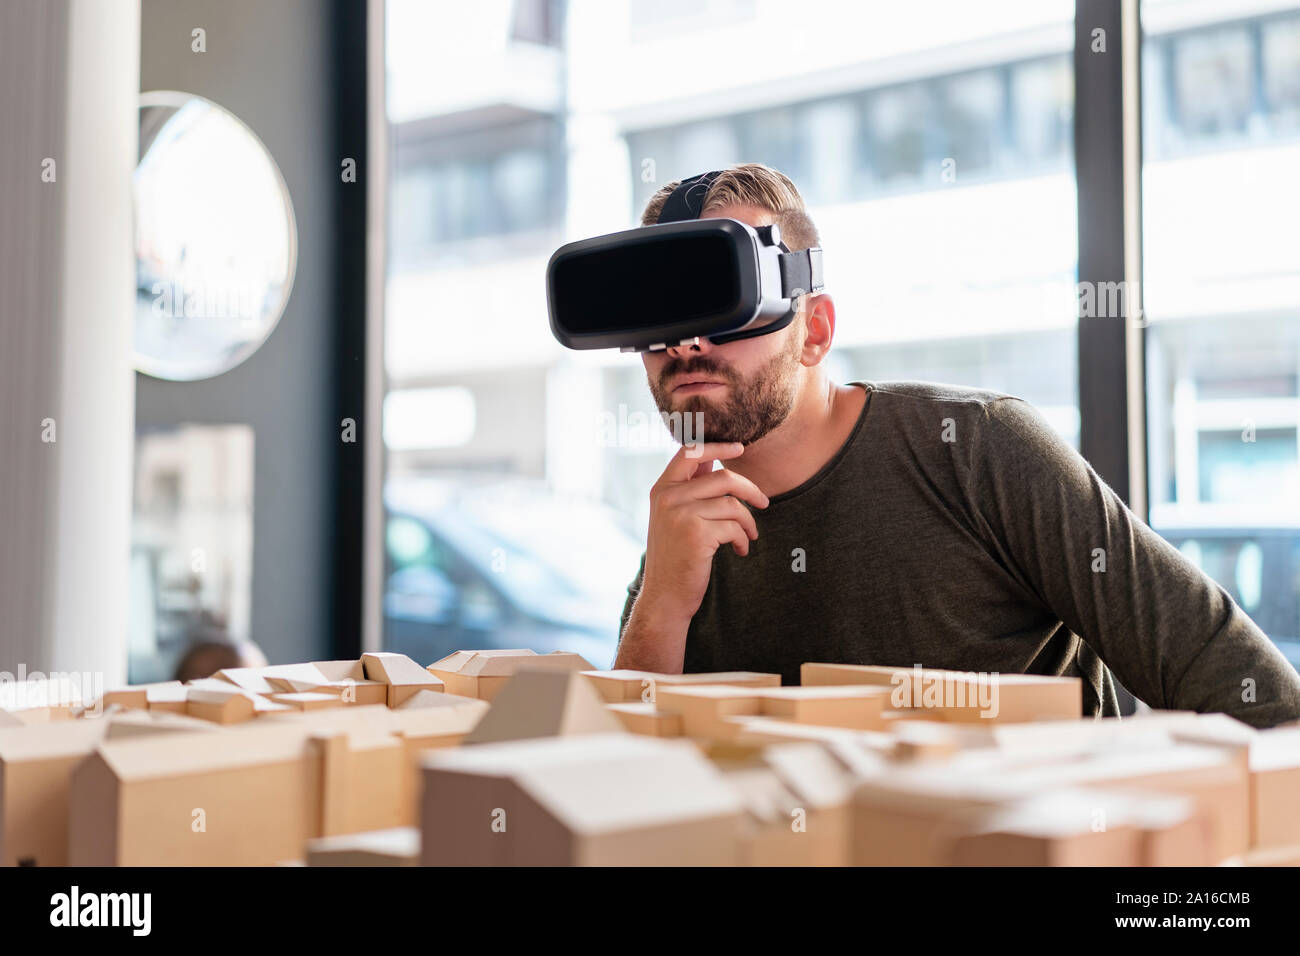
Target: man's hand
[694, 510]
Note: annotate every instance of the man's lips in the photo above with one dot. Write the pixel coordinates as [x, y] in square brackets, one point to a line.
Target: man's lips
[692, 386]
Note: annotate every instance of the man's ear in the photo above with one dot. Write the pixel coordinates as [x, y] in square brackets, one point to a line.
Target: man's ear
[817, 311]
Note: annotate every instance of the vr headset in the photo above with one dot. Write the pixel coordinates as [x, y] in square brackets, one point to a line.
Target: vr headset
[678, 281]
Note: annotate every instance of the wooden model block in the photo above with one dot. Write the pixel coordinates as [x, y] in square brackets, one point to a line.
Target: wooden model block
[36, 766]
[163, 801]
[797, 801]
[341, 670]
[337, 678]
[762, 731]
[397, 846]
[1275, 788]
[642, 718]
[140, 723]
[28, 716]
[625, 686]
[595, 800]
[169, 697]
[1086, 828]
[308, 701]
[482, 674]
[545, 703]
[251, 679]
[703, 709]
[220, 707]
[403, 677]
[1212, 775]
[858, 708]
[958, 695]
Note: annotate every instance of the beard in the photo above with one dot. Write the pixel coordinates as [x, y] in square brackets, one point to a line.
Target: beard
[755, 405]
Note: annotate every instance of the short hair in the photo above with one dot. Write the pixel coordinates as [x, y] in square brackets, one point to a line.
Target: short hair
[751, 184]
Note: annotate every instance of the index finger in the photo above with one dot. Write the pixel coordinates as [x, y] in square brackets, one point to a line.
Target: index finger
[683, 465]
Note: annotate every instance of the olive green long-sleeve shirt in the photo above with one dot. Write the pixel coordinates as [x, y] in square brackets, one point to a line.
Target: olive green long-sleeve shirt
[956, 529]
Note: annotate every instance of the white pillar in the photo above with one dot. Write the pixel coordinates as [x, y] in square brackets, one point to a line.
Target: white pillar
[71, 72]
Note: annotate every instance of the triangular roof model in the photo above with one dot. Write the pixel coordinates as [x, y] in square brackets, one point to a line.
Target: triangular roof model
[603, 800]
[472, 663]
[403, 676]
[545, 703]
[482, 674]
[249, 678]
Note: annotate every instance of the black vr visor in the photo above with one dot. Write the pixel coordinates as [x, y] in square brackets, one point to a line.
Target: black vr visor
[681, 279]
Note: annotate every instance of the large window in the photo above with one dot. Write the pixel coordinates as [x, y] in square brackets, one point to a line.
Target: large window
[1222, 296]
[931, 140]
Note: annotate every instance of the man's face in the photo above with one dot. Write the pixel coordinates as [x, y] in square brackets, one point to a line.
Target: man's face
[742, 389]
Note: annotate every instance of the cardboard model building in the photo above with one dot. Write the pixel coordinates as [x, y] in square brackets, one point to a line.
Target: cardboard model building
[345, 680]
[596, 800]
[1054, 738]
[399, 846]
[141, 723]
[900, 815]
[1086, 828]
[165, 695]
[703, 708]
[36, 765]
[646, 718]
[858, 708]
[960, 695]
[251, 796]
[443, 722]
[797, 798]
[1275, 788]
[223, 702]
[26, 716]
[403, 677]
[625, 686]
[762, 731]
[308, 700]
[482, 674]
[1212, 775]
[544, 703]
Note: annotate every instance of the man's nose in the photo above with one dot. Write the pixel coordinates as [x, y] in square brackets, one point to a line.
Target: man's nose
[695, 346]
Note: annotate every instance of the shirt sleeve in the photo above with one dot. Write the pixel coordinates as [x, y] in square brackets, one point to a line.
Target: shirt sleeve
[1169, 632]
[633, 590]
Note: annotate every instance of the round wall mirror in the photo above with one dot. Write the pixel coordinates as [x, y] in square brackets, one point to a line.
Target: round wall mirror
[215, 239]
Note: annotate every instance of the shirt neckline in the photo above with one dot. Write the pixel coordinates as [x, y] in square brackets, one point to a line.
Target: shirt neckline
[836, 458]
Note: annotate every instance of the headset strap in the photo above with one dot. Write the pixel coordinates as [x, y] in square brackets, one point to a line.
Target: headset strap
[687, 200]
[801, 272]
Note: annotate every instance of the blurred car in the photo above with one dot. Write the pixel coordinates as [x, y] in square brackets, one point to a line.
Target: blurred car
[475, 562]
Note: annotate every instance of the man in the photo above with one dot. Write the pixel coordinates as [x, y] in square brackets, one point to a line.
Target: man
[908, 523]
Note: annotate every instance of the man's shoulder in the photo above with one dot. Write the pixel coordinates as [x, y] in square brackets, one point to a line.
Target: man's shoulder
[997, 418]
[926, 396]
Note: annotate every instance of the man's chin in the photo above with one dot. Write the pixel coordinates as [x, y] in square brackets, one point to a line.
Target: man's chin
[700, 401]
